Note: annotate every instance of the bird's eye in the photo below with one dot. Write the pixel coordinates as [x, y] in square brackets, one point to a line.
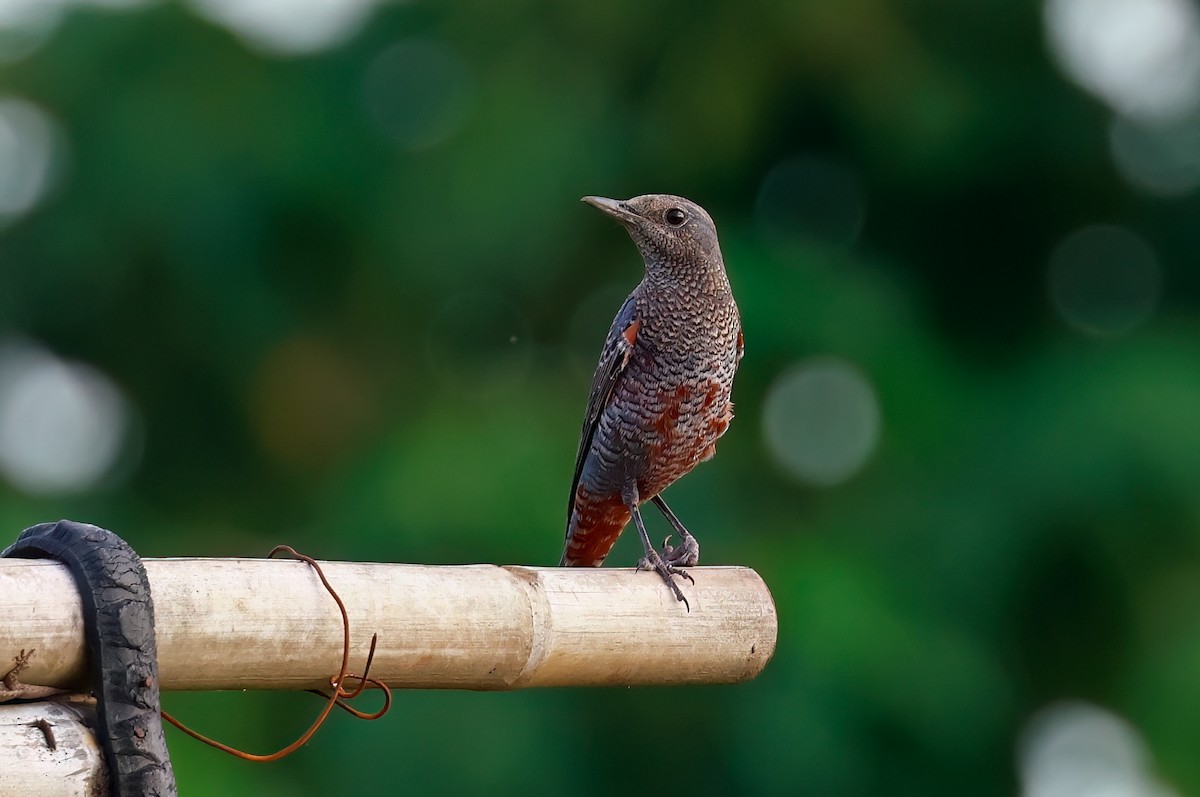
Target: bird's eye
[676, 217]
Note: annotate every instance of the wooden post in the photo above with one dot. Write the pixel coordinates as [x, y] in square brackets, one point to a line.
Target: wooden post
[269, 624]
[47, 749]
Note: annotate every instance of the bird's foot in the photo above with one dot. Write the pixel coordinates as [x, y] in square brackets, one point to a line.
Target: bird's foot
[686, 555]
[653, 561]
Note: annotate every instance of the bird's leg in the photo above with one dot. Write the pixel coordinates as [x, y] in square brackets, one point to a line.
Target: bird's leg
[652, 560]
[688, 552]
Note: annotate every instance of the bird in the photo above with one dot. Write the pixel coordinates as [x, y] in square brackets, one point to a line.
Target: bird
[661, 394]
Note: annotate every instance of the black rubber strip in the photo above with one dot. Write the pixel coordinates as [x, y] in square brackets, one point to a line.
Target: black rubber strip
[118, 618]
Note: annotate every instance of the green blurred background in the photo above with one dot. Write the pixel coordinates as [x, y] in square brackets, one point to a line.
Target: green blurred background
[316, 272]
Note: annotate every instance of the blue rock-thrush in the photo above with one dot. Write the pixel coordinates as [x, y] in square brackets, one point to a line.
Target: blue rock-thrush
[660, 397]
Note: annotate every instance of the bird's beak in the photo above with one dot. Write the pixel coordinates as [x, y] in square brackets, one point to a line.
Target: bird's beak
[618, 210]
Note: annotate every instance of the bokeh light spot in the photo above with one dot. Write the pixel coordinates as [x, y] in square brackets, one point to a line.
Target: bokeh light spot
[27, 140]
[25, 25]
[418, 92]
[1162, 160]
[821, 420]
[1142, 57]
[288, 27]
[811, 199]
[62, 424]
[1104, 280]
[310, 403]
[1072, 749]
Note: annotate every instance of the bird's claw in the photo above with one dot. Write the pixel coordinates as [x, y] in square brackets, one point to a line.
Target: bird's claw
[667, 570]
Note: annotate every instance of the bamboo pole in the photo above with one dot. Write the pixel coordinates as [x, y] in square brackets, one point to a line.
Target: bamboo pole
[268, 624]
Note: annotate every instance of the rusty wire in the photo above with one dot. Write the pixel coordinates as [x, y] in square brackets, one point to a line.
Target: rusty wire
[337, 683]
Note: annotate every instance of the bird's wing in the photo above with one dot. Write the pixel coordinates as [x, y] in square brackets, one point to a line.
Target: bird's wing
[618, 347]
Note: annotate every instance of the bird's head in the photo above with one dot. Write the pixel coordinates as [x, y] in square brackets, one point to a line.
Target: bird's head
[676, 237]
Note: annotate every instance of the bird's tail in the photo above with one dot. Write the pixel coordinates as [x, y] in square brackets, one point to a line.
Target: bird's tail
[592, 531]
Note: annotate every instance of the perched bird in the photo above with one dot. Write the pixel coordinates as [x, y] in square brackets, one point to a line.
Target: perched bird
[660, 397]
